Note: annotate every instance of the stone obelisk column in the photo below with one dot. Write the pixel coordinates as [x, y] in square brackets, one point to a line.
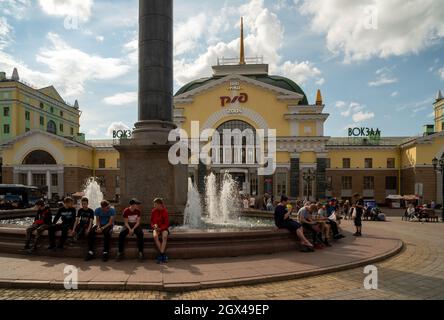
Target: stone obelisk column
[145, 170]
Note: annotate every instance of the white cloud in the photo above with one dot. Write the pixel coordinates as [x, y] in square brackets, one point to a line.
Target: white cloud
[394, 94]
[5, 30]
[402, 27]
[187, 35]
[355, 110]
[441, 73]
[120, 99]
[100, 38]
[362, 116]
[116, 126]
[14, 8]
[264, 36]
[384, 77]
[80, 9]
[71, 68]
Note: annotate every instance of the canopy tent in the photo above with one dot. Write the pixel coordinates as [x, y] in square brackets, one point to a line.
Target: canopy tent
[395, 197]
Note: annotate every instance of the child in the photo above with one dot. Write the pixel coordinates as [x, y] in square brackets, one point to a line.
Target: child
[42, 222]
[160, 225]
[131, 216]
[68, 215]
[84, 221]
[358, 213]
[104, 225]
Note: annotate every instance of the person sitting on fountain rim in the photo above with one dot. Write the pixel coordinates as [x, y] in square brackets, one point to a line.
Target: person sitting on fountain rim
[84, 221]
[68, 215]
[283, 221]
[104, 225]
[131, 217]
[308, 223]
[42, 222]
[323, 214]
[160, 225]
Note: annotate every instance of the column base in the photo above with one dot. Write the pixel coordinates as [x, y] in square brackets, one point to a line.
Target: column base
[150, 133]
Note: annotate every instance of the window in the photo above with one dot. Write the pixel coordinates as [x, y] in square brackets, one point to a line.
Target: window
[102, 163]
[72, 131]
[54, 180]
[61, 127]
[347, 183]
[23, 179]
[369, 183]
[118, 163]
[6, 111]
[281, 179]
[391, 163]
[117, 181]
[51, 127]
[329, 183]
[61, 114]
[39, 180]
[27, 130]
[391, 183]
[52, 109]
[328, 163]
[27, 115]
[368, 163]
[346, 163]
[42, 121]
[42, 106]
[6, 129]
[254, 186]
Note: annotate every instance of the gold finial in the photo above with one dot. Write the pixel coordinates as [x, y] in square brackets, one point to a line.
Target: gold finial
[242, 49]
[319, 101]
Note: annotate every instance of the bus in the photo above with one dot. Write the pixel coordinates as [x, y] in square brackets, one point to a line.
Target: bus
[16, 196]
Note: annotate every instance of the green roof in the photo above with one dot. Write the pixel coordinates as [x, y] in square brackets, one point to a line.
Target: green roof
[276, 81]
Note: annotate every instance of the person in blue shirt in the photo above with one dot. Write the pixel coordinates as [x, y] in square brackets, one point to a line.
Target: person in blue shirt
[104, 224]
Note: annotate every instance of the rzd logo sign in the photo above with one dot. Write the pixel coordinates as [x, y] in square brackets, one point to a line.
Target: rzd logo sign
[242, 98]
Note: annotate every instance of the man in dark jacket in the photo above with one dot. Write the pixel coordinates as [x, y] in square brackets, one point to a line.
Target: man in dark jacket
[42, 222]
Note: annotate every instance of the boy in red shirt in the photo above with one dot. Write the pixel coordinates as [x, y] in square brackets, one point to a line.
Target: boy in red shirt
[131, 217]
[160, 224]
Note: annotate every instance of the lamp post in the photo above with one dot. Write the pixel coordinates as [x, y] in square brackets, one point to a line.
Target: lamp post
[309, 177]
[438, 165]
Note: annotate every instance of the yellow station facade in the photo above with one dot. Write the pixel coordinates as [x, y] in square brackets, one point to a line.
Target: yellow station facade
[41, 143]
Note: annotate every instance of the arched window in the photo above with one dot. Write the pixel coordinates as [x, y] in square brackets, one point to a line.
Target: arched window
[51, 127]
[239, 147]
[39, 157]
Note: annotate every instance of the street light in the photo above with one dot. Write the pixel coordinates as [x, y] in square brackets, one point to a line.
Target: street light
[438, 165]
[309, 177]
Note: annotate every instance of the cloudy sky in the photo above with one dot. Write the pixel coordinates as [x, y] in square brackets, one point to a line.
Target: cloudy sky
[379, 63]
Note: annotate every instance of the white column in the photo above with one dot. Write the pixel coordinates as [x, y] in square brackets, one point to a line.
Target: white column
[29, 178]
[48, 183]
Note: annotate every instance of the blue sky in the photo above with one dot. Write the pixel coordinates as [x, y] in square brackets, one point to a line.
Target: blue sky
[374, 68]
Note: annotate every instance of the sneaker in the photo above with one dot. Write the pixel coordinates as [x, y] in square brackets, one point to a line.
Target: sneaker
[356, 234]
[89, 257]
[141, 257]
[51, 248]
[159, 259]
[165, 258]
[120, 257]
[27, 247]
[31, 251]
[105, 257]
[307, 249]
[327, 244]
[318, 246]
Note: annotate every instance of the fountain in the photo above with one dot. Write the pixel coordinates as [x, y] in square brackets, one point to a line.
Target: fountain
[93, 192]
[193, 210]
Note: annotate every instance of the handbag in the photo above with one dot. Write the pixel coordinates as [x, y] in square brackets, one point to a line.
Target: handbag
[354, 213]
